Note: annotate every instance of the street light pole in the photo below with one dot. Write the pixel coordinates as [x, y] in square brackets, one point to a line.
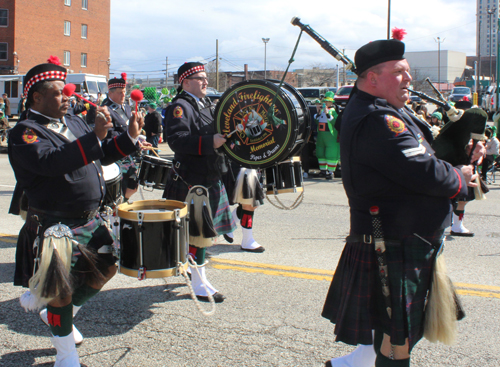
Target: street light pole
[265, 40]
[439, 41]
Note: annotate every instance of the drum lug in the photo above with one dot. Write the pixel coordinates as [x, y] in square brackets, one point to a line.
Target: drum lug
[141, 273]
[140, 218]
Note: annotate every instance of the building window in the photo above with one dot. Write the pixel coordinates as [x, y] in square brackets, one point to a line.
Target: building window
[11, 88]
[84, 31]
[67, 2]
[3, 51]
[67, 58]
[84, 60]
[67, 28]
[85, 4]
[4, 17]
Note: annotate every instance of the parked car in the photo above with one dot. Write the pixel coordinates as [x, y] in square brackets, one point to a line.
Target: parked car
[342, 96]
[312, 93]
[458, 93]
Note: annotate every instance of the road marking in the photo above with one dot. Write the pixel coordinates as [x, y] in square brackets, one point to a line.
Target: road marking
[8, 238]
[465, 289]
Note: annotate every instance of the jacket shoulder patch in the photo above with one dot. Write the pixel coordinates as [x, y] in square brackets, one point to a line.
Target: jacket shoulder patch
[30, 137]
[178, 112]
[397, 126]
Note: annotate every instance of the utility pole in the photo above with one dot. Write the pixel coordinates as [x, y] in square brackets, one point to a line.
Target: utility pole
[217, 64]
[388, 19]
[166, 72]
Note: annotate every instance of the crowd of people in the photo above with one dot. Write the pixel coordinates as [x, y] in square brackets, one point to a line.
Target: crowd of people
[377, 298]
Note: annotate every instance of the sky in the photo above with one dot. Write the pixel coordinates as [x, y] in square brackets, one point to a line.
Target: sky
[144, 33]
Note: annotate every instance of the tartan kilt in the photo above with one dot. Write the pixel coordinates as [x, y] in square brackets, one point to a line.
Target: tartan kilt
[355, 303]
[219, 202]
[83, 231]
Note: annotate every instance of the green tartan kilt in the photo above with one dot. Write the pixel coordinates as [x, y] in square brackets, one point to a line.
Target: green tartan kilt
[355, 303]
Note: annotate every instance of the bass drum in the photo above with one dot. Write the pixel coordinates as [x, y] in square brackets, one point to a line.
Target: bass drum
[259, 141]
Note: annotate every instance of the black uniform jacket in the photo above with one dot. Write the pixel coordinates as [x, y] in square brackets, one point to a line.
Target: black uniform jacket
[190, 132]
[119, 116]
[387, 161]
[58, 174]
[152, 124]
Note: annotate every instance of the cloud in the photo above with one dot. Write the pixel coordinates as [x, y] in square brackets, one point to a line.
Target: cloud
[143, 34]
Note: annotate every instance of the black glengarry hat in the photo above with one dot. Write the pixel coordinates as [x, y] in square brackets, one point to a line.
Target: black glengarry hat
[189, 68]
[118, 82]
[380, 51]
[50, 71]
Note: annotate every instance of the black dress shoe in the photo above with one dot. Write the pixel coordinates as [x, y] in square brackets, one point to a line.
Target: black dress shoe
[228, 239]
[462, 234]
[328, 364]
[218, 298]
[257, 249]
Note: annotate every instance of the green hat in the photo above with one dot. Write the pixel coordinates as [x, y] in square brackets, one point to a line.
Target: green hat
[152, 105]
[329, 97]
[438, 115]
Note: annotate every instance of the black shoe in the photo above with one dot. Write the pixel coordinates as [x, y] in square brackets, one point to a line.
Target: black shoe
[257, 249]
[329, 176]
[228, 239]
[462, 234]
[218, 298]
[328, 363]
[321, 174]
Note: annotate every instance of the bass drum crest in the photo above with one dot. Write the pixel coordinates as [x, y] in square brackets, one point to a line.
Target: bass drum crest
[258, 141]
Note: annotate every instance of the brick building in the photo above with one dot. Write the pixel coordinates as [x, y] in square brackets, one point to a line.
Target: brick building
[77, 31]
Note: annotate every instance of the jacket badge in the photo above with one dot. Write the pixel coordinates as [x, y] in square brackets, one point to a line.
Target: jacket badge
[395, 125]
[29, 136]
[178, 112]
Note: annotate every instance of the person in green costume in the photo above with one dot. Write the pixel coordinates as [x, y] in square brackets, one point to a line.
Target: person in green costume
[327, 145]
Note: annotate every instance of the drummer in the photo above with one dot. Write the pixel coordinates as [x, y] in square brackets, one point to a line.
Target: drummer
[120, 115]
[57, 159]
[191, 135]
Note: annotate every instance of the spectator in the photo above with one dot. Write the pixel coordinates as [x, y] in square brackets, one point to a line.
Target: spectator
[7, 105]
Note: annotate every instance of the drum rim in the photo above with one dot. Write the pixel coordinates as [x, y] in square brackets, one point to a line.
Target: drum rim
[151, 158]
[124, 210]
[154, 273]
[285, 100]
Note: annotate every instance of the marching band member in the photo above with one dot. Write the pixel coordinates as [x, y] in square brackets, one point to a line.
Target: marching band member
[388, 162]
[57, 159]
[120, 115]
[191, 135]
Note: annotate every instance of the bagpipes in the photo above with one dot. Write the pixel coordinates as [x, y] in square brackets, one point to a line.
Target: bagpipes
[327, 46]
[453, 140]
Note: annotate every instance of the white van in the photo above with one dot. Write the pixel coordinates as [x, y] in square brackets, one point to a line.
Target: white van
[13, 86]
[88, 83]
[85, 83]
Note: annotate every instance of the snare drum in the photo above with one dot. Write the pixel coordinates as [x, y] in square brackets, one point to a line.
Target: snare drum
[113, 177]
[153, 238]
[284, 177]
[153, 172]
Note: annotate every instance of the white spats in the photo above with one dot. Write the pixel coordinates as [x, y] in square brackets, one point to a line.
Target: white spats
[362, 356]
[67, 355]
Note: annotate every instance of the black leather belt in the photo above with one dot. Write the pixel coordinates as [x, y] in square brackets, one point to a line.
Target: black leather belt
[365, 238]
[86, 214]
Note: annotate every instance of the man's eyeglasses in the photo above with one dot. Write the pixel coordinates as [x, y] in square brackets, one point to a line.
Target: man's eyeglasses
[200, 78]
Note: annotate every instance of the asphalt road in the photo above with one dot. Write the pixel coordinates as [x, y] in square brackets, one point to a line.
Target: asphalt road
[271, 316]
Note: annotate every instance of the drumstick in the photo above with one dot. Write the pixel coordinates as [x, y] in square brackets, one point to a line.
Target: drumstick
[136, 96]
[69, 90]
[239, 127]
